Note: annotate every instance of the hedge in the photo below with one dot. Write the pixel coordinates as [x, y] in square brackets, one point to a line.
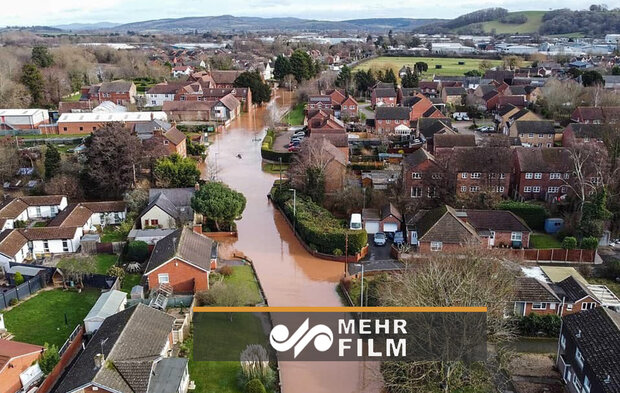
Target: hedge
[533, 324]
[317, 226]
[533, 215]
[266, 150]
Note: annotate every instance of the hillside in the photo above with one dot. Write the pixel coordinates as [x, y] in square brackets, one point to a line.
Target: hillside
[229, 23]
[534, 21]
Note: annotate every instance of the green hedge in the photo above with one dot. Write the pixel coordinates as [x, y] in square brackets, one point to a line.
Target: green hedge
[267, 153]
[318, 228]
[533, 215]
[534, 324]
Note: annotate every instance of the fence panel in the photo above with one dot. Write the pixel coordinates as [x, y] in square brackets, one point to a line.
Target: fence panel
[10, 295]
[23, 290]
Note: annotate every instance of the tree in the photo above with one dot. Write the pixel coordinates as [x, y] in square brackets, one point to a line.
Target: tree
[221, 62]
[389, 77]
[176, 171]
[33, 80]
[281, 67]
[410, 79]
[75, 268]
[218, 202]
[261, 92]
[364, 81]
[615, 70]
[52, 161]
[485, 65]
[344, 78]
[63, 184]
[308, 169]
[474, 73]
[49, 358]
[512, 62]
[18, 278]
[592, 78]
[41, 56]
[420, 67]
[111, 156]
[136, 199]
[302, 65]
[9, 162]
[137, 251]
[194, 149]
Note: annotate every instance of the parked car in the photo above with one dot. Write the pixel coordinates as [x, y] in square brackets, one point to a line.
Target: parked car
[356, 222]
[299, 134]
[458, 116]
[399, 238]
[294, 143]
[298, 139]
[294, 148]
[486, 129]
[380, 239]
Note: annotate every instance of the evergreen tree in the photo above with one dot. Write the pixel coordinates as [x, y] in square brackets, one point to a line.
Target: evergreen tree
[33, 80]
[410, 79]
[41, 56]
[389, 77]
[281, 67]
[302, 65]
[344, 78]
[52, 161]
[261, 92]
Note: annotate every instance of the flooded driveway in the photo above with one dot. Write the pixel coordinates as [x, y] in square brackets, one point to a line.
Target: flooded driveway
[289, 275]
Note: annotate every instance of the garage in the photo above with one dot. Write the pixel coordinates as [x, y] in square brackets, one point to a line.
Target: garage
[371, 226]
[390, 227]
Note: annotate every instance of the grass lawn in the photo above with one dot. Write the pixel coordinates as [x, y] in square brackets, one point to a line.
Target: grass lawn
[51, 136]
[40, 224]
[41, 319]
[295, 116]
[105, 261]
[243, 276]
[130, 281]
[72, 98]
[544, 241]
[112, 234]
[450, 65]
[213, 377]
[612, 285]
[534, 20]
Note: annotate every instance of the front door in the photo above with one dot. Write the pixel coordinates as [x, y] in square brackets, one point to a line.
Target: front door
[414, 238]
[492, 239]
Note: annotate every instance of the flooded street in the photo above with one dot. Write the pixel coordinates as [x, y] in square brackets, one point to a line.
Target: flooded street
[289, 275]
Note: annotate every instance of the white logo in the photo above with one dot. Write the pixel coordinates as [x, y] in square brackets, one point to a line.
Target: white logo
[321, 336]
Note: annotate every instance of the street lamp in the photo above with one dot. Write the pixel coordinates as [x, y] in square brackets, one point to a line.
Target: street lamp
[280, 168]
[294, 201]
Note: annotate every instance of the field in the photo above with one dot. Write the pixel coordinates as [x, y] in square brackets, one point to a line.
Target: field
[450, 65]
[41, 319]
[534, 20]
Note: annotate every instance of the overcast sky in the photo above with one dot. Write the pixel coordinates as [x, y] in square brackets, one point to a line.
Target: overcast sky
[54, 12]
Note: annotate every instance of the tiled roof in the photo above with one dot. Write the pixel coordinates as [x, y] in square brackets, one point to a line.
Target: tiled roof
[496, 220]
[441, 224]
[171, 106]
[230, 102]
[12, 349]
[184, 244]
[119, 86]
[417, 157]
[543, 159]
[530, 289]
[49, 233]
[75, 215]
[429, 126]
[597, 334]
[593, 131]
[12, 208]
[392, 113]
[11, 241]
[106, 207]
[534, 126]
[225, 77]
[383, 92]
[452, 140]
[481, 159]
[43, 200]
[572, 290]
[166, 88]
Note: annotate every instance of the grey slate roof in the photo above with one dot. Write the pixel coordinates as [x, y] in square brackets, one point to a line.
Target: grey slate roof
[167, 375]
[185, 244]
[572, 289]
[131, 341]
[392, 113]
[174, 201]
[535, 126]
[442, 224]
[599, 343]
[496, 220]
[385, 92]
[119, 86]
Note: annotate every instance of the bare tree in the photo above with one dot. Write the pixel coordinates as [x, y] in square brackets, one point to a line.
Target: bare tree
[589, 171]
[308, 169]
[9, 162]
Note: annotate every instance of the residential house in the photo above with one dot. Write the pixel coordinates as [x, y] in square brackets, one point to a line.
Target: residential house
[440, 229]
[29, 208]
[480, 169]
[324, 122]
[422, 175]
[575, 295]
[349, 107]
[88, 214]
[319, 102]
[13, 247]
[162, 92]
[428, 127]
[387, 118]
[508, 119]
[225, 79]
[168, 208]
[183, 261]
[164, 134]
[385, 219]
[581, 133]
[85, 123]
[180, 111]
[500, 76]
[534, 296]
[588, 351]
[336, 168]
[19, 245]
[226, 109]
[383, 97]
[534, 133]
[18, 366]
[179, 71]
[453, 95]
[420, 107]
[339, 139]
[429, 88]
[501, 228]
[119, 92]
[596, 115]
[540, 173]
[445, 143]
[502, 116]
[23, 119]
[129, 353]
[108, 304]
[242, 94]
[515, 100]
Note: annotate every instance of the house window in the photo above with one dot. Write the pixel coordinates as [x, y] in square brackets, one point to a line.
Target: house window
[579, 357]
[475, 175]
[587, 306]
[538, 175]
[553, 190]
[46, 246]
[563, 341]
[586, 384]
[163, 278]
[566, 175]
[436, 176]
[65, 245]
[431, 192]
[531, 135]
[416, 175]
[541, 136]
[548, 145]
[539, 306]
[81, 128]
[527, 189]
[388, 121]
[516, 236]
[569, 307]
[555, 176]
[577, 383]
[529, 175]
[64, 128]
[563, 189]
[536, 189]
[500, 189]
[463, 188]
[436, 246]
[38, 211]
[474, 188]
[464, 175]
[502, 175]
[154, 222]
[416, 192]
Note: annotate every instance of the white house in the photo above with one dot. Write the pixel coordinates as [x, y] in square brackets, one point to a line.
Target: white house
[160, 93]
[44, 241]
[109, 303]
[107, 213]
[45, 206]
[167, 208]
[13, 247]
[182, 70]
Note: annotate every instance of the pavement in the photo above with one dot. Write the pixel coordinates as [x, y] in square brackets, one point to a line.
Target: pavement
[282, 141]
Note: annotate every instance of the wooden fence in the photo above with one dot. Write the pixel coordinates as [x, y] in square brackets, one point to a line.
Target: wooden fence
[556, 255]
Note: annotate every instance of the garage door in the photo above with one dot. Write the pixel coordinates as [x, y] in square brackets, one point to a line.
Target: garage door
[371, 226]
[390, 227]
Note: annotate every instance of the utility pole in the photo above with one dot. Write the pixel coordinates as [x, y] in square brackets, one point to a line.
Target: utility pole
[280, 168]
[362, 289]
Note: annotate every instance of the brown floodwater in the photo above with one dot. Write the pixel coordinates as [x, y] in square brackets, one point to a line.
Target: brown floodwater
[289, 275]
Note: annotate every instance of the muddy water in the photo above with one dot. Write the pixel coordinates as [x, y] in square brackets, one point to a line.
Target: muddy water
[289, 275]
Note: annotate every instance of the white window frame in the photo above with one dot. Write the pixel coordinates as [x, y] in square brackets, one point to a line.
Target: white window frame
[529, 175]
[65, 245]
[527, 189]
[416, 175]
[579, 357]
[516, 236]
[163, 278]
[464, 175]
[538, 175]
[463, 188]
[562, 341]
[539, 306]
[587, 386]
[416, 194]
[553, 190]
[587, 305]
[475, 175]
[436, 246]
[536, 189]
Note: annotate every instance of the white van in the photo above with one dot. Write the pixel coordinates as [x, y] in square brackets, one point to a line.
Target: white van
[356, 222]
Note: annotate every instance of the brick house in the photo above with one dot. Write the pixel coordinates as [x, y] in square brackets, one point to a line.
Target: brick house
[349, 107]
[453, 95]
[385, 219]
[85, 123]
[336, 169]
[509, 118]
[480, 169]
[182, 260]
[575, 296]
[440, 229]
[429, 88]
[579, 133]
[540, 173]
[428, 127]
[445, 143]
[319, 102]
[498, 227]
[120, 92]
[420, 107]
[596, 115]
[588, 351]
[422, 176]
[17, 365]
[225, 79]
[323, 121]
[383, 97]
[164, 134]
[387, 118]
[188, 110]
[534, 133]
[533, 296]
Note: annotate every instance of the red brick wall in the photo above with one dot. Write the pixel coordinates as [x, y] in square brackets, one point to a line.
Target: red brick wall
[183, 277]
[384, 126]
[390, 219]
[546, 311]
[425, 247]
[577, 306]
[484, 182]
[543, 183]
[65, 360]
[503, 238]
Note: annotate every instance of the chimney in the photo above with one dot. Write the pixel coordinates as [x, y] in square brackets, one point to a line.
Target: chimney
[99, 360]
[197, 228]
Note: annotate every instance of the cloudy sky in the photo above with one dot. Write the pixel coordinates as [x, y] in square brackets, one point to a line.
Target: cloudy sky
[54, 12]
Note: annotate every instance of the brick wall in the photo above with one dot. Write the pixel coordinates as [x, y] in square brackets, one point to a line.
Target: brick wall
[183, 277]
[71, 352]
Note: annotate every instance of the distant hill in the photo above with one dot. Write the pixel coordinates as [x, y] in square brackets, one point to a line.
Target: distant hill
[87, 26]
[532, 23]
[229, 23]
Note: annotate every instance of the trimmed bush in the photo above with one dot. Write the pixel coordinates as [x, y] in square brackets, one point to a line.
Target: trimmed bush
[589, 243]
[137, 251]
[534, 324]
[18, 278]
[569, 243]
[533, 215]
[226, 271]
[338, 252]
[255, 386]
[266, 150]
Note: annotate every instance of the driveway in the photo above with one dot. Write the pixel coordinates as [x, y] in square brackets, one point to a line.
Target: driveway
[366, 110]
[282, 141]
[377, 259]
